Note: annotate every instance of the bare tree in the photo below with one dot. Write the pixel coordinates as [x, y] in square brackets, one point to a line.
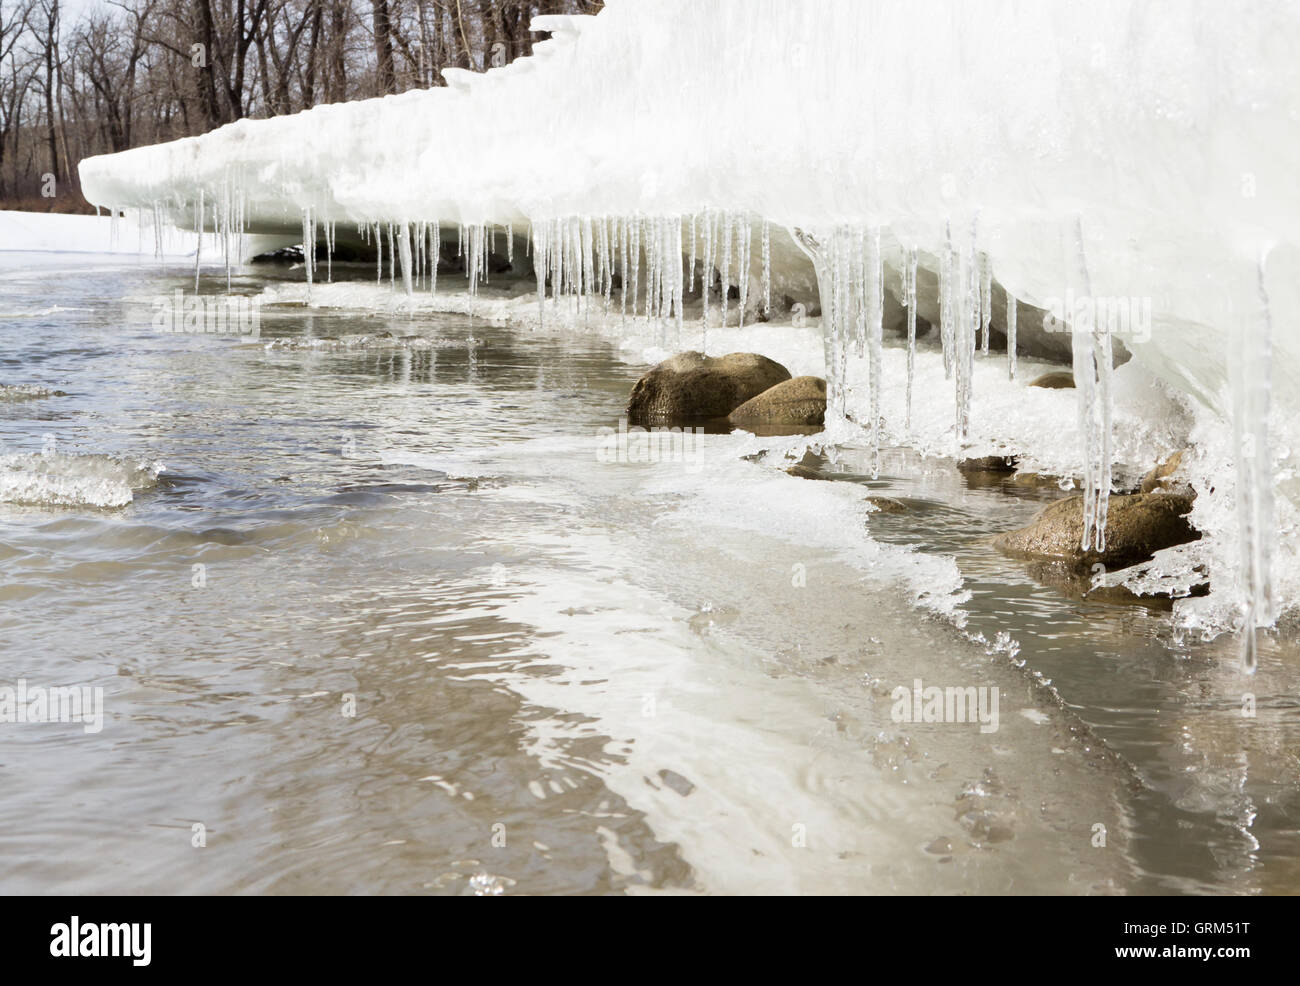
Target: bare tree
[143, 71]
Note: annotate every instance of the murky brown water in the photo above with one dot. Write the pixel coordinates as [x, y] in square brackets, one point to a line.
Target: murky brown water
[440, 647]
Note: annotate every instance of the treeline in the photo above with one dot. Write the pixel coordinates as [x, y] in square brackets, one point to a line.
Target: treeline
[123, 73]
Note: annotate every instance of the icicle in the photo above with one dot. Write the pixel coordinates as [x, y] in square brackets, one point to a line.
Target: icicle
[1090, 345]
[308, 248]
[474, 264]
[680, 278]
[379, 257]
[706, 275]
[588, 262]
[947, 293]
[767, 269]
[986, 301]
[691, 275]
[840, 314]
[651, 242]
[556, 252]
[243, 222]
[225, 227]
[420, 245]
[862, 266]
[539, 269]
[392, 258]
[1011, 335]
[660, 263]
[966, 325]
[876, 341]
[510, 243]
[746, 233]
[623, 267]
[1250, 368]
[651, 261]
[404, 246]
[909, 292]
[725, 265]
[609, 239]
[198, 229]
[435, 254]
[635, 247]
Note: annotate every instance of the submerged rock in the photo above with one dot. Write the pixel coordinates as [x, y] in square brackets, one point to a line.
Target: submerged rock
[988, 463]
[1160, 478]
[1011, 482]
[803, 472]
[799, 401]
[1056, 380]
[1137, 526]
[1078, 583]
[887, 504]
[693, 387]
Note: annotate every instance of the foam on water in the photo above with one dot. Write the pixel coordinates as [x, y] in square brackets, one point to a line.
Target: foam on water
[26, 392]
[57, 479]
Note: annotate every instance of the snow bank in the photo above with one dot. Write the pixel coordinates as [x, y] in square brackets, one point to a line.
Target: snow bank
[1139, 156]
[133, 234]
[37, 232]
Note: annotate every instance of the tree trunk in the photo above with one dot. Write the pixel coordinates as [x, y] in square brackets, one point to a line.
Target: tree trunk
[384, 78]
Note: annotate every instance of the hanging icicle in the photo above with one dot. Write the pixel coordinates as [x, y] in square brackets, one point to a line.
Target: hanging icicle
[1090, 343]
[876, 341]
[767, 270]
[1250, 364]
[746, 231]
[986, 301]
[909, 299]
[198, 229]
[308, 248]
[1011, 335]
[724, 266]
[947, 296]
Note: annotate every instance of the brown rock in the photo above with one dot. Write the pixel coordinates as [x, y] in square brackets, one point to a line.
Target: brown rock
[887, 504]
[1137, 526]
[1056, 380]
[1158, 479]
[803, 472]
[988, 463]
[800, 401]
[694, 387]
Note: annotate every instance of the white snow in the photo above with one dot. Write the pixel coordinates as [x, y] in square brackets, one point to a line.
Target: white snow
[133, 234]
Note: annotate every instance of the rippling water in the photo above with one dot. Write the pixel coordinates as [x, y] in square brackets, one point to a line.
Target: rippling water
[386, 623]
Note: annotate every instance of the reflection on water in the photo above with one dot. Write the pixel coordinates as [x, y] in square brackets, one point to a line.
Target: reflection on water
[1219, 804]
[386, 624]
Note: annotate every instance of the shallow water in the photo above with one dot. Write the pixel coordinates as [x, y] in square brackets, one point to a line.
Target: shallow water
[437, 645]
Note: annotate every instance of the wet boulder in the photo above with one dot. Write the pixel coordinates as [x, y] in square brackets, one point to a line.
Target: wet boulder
[1137, 526]
[799, 401]
[693, 387]
[989, 463]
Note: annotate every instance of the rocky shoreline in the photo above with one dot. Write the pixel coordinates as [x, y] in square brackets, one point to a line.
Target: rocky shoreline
[750, 392]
